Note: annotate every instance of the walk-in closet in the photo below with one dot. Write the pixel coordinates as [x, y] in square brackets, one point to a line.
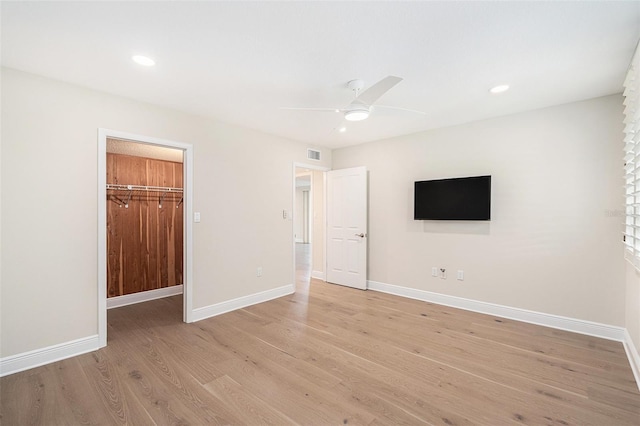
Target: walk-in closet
[145, 202]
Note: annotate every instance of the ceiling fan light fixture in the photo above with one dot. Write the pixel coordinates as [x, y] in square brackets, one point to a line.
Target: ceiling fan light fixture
[356, 114]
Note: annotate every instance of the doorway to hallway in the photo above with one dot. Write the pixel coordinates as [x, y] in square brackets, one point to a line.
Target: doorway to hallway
[308, 223]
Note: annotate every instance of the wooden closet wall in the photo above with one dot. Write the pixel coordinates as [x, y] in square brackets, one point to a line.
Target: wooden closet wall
[144, 242]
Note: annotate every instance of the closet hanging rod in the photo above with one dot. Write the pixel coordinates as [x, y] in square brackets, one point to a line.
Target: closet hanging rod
[143, 188]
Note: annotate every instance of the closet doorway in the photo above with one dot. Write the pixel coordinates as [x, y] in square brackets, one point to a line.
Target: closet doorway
[145, 241]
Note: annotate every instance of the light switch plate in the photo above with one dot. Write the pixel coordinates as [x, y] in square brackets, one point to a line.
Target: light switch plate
[196, 217]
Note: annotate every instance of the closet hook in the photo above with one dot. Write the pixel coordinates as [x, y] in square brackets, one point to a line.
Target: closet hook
[126, 203]
[116, 200]
[161, 200]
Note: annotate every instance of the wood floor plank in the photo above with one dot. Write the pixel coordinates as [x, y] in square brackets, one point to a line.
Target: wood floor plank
[355, 369]
[403, 361]
[280, 384]
[548, 370]
[244, 404]
[329, 355]
[27, 402]
[71, 387]
[118, 402]
[157, 399]
[496, 330]
[170, 383]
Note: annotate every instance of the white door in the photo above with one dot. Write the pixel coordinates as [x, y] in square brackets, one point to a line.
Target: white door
[347, 227]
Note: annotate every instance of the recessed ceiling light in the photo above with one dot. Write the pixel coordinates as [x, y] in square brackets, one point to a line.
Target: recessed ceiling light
[499, 89]
[342, 129]
[143, 60]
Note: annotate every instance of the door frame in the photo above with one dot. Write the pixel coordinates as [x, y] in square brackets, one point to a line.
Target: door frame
[324, 171]
[187, 230]
[307, 220]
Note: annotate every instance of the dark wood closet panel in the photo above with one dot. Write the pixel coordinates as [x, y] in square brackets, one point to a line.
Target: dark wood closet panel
[144, 241]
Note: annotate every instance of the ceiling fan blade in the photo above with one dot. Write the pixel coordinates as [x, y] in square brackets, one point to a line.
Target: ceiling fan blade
[374, 92]
[415, 111]
[311, 109]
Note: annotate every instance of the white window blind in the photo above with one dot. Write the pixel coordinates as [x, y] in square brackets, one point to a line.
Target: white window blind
[632, 160]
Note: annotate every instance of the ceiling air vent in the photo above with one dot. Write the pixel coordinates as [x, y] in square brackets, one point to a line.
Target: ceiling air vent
[312, 154]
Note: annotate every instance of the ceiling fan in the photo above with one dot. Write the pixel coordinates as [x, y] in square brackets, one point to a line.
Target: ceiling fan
[360, 108]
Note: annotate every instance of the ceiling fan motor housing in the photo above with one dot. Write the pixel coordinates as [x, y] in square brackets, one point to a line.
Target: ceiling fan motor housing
[356, 85]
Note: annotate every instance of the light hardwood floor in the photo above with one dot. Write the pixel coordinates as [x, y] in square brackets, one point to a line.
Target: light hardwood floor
[329, 355]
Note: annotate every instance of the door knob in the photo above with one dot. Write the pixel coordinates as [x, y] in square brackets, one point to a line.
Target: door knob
[361, 235]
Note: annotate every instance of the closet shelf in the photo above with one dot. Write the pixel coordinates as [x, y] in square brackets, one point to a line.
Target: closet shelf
[116, 187]
[127, 192]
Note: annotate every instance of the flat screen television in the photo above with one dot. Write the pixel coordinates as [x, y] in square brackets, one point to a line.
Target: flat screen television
[467, 198]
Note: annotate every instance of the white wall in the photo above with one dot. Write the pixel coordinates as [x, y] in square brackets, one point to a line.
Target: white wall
[49, 205]
[298, 226]
[318, 223]
[553, 244]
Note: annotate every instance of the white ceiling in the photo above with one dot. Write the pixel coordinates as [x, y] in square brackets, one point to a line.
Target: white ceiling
[240, 62]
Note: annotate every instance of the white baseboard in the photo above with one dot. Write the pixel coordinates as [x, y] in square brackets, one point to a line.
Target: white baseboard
[241, 302]
[318, 275]
[143, 296]
[595, 329]
[24, 361]
[633, 355]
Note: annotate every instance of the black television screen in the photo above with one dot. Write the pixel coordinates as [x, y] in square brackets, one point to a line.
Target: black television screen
[467, 198]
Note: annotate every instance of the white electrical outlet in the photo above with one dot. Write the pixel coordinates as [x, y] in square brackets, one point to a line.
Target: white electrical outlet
[460, 275]
[259, 271]
[443, 273]
[434, 271]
